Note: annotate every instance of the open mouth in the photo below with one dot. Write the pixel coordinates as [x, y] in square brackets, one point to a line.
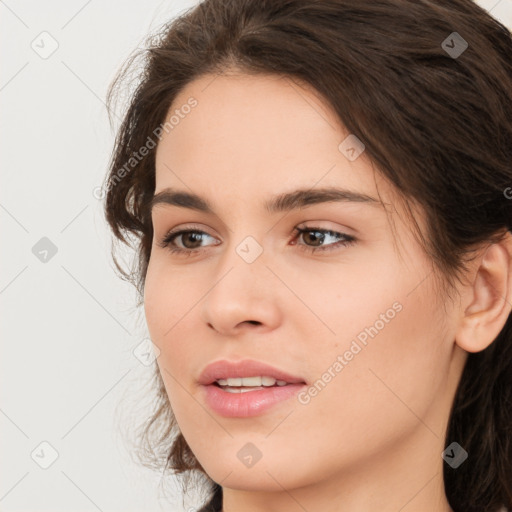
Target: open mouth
[245, 384]
[245, 389]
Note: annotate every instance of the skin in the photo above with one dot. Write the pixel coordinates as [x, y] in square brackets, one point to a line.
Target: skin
[372, 438]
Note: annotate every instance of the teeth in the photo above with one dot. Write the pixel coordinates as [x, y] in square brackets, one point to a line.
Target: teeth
[240, 389]
[251, 381]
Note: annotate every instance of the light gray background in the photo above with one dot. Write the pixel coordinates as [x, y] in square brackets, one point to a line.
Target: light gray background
[69, 376]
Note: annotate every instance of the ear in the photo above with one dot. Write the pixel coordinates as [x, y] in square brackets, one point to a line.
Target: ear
[489, 297]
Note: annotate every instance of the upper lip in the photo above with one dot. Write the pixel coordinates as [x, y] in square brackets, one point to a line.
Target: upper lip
[225, 369]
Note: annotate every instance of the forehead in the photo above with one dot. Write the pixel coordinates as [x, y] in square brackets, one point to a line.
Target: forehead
[264, 131]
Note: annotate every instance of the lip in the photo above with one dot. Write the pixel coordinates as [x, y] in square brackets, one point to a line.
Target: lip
[248, 403]
[245, 368]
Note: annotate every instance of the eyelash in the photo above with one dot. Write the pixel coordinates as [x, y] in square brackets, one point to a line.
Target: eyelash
[167, 241]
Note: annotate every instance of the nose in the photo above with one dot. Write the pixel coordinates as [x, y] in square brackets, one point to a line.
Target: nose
[243, 296]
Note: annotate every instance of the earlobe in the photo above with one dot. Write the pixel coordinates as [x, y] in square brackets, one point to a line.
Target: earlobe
[490, 298]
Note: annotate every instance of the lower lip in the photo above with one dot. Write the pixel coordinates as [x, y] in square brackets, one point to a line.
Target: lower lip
[249, 403]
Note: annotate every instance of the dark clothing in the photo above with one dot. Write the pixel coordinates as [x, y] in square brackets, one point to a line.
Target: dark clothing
[215, 503]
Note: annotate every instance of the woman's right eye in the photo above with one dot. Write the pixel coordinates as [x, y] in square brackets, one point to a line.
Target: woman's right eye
[187, 235]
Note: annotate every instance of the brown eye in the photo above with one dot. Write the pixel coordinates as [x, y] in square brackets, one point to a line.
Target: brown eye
[315, 240]
[190, 240]
[193, 238]
[316, 236]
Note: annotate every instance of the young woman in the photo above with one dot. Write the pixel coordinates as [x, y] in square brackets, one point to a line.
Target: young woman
[320, 198]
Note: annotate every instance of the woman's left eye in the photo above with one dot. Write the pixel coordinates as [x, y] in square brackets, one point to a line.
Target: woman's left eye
[194, 236]
[319, 235]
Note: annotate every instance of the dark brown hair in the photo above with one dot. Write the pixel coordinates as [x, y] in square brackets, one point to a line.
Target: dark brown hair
[437, 125]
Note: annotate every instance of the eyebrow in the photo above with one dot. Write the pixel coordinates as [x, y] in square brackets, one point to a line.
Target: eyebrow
[280, 203]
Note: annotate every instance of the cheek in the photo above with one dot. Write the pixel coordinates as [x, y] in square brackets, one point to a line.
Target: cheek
[155, 302]
[399, 368]
[393, 347]
[165, 298]
[170, 300]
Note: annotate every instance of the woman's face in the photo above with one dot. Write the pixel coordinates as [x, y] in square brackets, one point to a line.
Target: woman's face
[358, 322]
